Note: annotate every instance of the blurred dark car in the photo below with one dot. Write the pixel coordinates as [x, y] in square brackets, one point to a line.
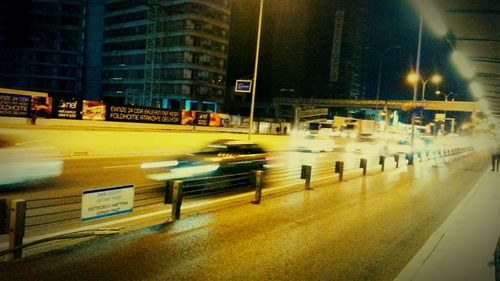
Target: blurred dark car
[219, 157]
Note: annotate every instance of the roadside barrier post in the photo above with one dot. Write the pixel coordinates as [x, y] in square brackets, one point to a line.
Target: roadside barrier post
[257, 184]
[305, 173]
[4, 216]
[176, 199]
[396, 159]
[17, 224]
[339, 168]
[409, 157]
[168, 192]
[381, 162]
[362, 164]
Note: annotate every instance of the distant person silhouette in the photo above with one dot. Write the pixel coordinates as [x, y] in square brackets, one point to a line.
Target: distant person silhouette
[195, 122]
[495, 156]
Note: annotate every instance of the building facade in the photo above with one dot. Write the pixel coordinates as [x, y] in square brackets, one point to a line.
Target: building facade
[322, 56]
[168, 53]
[309, 49]
[42, 46]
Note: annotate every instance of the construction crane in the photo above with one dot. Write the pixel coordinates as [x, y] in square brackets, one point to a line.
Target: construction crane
[151, 73]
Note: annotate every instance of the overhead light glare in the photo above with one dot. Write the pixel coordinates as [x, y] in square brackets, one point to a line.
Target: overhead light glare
[483, 105]
[476, 90]
[462, 64]
[431, 16]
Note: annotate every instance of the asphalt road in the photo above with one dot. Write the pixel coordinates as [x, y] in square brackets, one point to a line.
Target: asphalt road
[365, 228]
[80, 174]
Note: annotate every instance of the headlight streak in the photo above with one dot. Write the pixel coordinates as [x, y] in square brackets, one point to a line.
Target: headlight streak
[160, 164]
[184, 172]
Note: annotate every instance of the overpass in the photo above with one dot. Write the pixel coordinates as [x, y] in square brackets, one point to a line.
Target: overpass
[404, 105]
[297, 106]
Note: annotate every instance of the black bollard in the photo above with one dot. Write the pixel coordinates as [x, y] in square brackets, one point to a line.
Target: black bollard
[381, 162]
[339, 168]
[362, 164]
[305, 173]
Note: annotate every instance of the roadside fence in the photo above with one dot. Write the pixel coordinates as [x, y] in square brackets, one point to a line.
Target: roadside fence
[28, 223]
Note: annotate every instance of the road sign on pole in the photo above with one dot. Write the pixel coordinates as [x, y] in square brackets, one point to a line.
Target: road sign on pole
[440, 117]
[243, 86]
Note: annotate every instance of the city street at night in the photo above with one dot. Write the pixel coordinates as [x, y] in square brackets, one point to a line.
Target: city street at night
[249, 140]
[363, 228]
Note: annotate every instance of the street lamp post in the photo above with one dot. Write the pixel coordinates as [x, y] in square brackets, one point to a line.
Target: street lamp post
[436, 79]
[256, 66]
[446, 100]
[380, 67]
[444, 94]
[415, 87]
[414, 78]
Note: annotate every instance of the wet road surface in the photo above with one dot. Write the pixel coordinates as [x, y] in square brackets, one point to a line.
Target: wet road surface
[365, 228]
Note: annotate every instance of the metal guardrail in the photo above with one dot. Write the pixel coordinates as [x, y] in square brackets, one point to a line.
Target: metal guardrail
[56, 213]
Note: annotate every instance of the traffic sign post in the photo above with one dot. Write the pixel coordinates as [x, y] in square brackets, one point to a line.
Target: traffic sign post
[243, 86]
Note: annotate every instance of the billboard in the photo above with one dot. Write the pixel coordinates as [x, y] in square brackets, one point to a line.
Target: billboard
[93, 110]
[15, 105]
[42, 106]
[225, 120]
[188, 117]
[140, 114]
[214, 120]
[68, 109]
[202, 118]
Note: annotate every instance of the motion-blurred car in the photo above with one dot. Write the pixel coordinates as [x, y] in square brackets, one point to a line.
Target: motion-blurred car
[368, 148]
[219, 157]
[400, 146]
[403, 146]
[23, 164]
[315, 143]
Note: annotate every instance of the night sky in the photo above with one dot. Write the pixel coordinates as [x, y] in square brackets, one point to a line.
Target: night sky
[390, 22]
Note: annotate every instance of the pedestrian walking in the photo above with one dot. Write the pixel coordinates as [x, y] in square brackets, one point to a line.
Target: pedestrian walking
[195, 122]
[34, 114]
[278, 130]
[495, 156]
[284, 130]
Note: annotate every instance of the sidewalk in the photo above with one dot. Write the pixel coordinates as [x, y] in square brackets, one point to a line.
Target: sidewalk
[463, 247]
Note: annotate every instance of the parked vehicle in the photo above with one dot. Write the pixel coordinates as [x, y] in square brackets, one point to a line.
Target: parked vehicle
[219, 157]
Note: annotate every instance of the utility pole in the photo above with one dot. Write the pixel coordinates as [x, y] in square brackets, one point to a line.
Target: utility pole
[256, 67]
[416, 84]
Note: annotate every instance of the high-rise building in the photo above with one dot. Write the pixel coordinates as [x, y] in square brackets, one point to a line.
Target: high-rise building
[42, 46]
[166, 53]
[309, 49]
[317, 48]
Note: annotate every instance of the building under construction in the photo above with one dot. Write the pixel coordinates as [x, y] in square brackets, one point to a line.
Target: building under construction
[169, 54]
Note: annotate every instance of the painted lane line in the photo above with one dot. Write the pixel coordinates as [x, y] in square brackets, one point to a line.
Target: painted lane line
[122, 166]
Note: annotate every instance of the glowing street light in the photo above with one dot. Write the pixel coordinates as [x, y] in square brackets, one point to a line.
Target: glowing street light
[444, 94]
[414, 78]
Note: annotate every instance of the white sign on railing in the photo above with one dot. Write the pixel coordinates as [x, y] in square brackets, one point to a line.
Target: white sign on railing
[105, 202]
